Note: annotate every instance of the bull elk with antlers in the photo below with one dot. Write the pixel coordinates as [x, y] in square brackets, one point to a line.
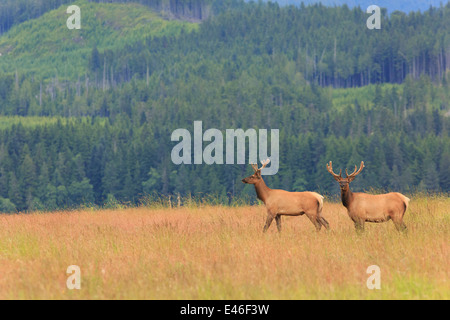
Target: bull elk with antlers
[363, 207]
[281, 202]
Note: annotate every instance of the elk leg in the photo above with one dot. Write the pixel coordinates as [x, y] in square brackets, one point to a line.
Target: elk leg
[315, 220]
[359, 226]
[268, 222]
[278, 220]
[324, 223]
[401, 226]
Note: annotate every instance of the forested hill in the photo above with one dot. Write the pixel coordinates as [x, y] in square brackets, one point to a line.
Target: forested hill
[14, 12]
[330, 46]
[87, 115]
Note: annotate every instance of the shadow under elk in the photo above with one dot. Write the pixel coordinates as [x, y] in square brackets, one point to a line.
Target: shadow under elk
[281, 202]
[363, 207]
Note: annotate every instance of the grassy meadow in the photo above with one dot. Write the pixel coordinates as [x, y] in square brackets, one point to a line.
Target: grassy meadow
[217, 252]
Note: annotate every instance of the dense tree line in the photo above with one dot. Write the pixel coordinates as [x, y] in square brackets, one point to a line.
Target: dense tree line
[122, 152]
[402, 5]
[260, 66]
[329, 46]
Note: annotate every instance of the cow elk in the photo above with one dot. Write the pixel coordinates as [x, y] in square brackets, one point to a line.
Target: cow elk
[363, 207]
[281, 202]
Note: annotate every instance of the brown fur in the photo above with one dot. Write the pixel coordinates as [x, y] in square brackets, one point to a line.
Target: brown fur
[281, 202]
[363, 207]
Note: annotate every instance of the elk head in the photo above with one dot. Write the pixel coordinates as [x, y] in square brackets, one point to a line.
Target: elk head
[256, 177]
[344, 182]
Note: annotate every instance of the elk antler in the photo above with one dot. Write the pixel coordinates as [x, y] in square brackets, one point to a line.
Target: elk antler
[352, 176]
[330, 170]
[264, 164]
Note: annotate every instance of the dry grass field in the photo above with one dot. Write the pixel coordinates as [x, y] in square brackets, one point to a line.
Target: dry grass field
[215, 252]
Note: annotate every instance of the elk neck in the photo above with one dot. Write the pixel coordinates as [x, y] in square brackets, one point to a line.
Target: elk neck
[262, 190]
[346, 196]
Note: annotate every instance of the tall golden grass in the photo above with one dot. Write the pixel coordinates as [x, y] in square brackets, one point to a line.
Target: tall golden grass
[218, 252]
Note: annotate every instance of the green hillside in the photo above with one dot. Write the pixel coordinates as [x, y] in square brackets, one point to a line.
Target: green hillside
[47, 48]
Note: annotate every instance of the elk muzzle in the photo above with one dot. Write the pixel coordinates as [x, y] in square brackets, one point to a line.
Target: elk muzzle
[343, 184]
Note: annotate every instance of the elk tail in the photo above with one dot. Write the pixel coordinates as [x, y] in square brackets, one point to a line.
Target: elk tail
[405, 201]
[321, 219]
[320, 200]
